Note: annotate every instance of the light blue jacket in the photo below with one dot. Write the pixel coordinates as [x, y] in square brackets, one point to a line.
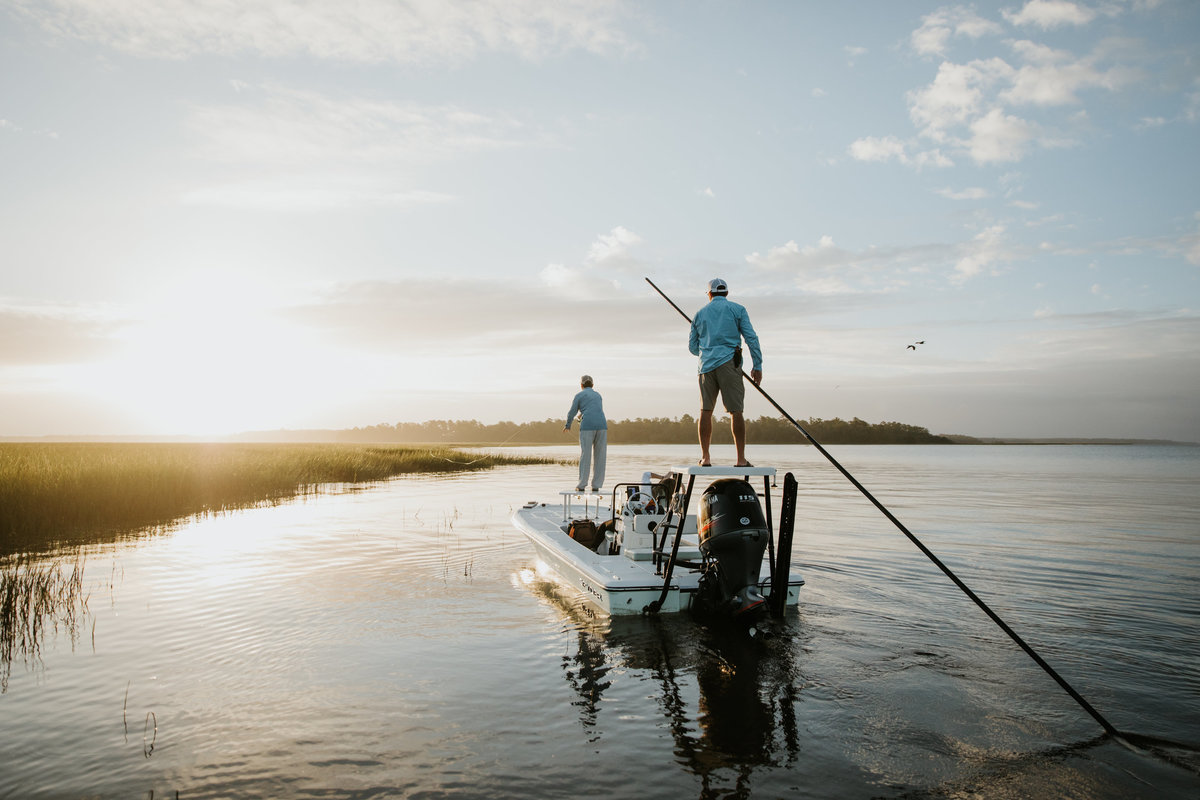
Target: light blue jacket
[717, 330]
[592, 405]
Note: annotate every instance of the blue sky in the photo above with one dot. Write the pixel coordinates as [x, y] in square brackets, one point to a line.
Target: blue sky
[223, 217]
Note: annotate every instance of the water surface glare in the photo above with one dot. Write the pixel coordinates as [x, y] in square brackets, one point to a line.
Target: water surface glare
[402, 641]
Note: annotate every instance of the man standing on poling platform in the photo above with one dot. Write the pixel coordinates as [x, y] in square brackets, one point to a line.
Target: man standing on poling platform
[716, 337]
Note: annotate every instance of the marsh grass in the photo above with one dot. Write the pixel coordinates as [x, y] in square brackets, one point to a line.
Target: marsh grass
[63, 493]
[37, 598]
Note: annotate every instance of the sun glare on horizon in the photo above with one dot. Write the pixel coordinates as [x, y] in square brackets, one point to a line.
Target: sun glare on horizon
[216, 367]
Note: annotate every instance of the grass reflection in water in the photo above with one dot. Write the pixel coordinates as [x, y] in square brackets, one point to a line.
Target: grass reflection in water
[36, 598]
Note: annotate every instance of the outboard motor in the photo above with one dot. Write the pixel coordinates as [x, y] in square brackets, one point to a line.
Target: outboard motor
[733, 532]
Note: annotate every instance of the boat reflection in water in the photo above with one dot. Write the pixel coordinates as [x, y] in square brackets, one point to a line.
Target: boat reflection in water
[728, 696]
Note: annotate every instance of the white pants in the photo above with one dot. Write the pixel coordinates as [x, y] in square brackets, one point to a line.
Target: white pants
[592, 444]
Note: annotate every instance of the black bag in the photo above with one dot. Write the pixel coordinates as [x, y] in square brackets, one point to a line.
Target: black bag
[737, 357]
[585, 532]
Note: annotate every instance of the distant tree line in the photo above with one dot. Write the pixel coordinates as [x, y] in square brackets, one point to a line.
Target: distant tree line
[653, 430]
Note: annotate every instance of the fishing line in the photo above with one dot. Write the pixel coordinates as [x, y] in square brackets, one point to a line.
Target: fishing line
[482, 457]
[1078, 698]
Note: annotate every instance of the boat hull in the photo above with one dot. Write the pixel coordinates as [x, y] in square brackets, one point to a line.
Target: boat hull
[615, 584]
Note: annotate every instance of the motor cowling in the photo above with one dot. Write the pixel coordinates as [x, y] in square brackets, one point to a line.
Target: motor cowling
[733, 532]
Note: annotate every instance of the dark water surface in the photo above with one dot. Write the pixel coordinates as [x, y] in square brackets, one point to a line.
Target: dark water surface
[401, 642]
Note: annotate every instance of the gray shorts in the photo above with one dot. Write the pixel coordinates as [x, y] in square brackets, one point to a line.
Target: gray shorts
[727, 381]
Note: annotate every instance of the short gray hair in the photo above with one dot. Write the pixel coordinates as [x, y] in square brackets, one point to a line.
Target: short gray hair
[586, 380]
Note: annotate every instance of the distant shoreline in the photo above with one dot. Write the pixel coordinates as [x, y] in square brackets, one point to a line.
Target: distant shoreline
[328, 437]
[653, 430]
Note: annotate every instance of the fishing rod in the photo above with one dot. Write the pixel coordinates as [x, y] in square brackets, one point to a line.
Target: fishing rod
[1041, 662]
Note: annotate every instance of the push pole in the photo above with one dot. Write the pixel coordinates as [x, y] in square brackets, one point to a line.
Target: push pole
[1076, 696]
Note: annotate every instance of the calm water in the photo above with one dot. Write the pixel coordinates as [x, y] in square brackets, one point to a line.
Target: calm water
[400, 642]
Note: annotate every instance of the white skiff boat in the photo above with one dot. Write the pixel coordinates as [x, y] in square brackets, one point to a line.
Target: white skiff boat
[640, 549]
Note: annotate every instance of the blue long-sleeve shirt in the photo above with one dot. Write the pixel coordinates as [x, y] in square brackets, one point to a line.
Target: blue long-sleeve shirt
[718, 330]
[590, 403]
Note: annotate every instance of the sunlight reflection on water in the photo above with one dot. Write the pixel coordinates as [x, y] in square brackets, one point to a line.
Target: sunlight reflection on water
[403, 640]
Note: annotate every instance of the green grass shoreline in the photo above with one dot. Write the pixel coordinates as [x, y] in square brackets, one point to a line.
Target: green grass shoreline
[53, 494]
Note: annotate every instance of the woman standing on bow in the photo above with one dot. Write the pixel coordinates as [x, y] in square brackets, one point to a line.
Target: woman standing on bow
[593, 434]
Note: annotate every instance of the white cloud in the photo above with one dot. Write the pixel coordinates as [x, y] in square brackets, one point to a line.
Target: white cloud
[813, 265]
[937, 29]
[972, 193]
[1052, 77]
[968, 107]
[1047, 14]
[1191, 111]
[282, 126]
[931, 158]
[887, 148]
[1192, 245]
[997, 137]
[613, 246]
[824, 268]
[310, 193]
[985, 250]
[955, 97]
[871, 148]
[556, 275]
[313, 151]
[420, 31]
[32, 334]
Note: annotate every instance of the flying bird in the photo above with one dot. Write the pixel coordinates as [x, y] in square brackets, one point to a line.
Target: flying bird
[914, 345]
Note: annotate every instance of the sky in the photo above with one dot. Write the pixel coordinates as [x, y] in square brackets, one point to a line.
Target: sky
[221, 217]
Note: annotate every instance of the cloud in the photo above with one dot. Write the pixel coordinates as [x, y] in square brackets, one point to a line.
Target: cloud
[311, 151]
[453, 317]
[607, 260]
[1047, 14]
[968, 108]
[283, 126]
[53, 335]
[613, 247]
[372, 31]
[955, 97]
[1000, 137]
[1052, 77]
[826, 269]
[939, 27]
[985, 250]
[310, 193]
[888, 148]
[872, 148]
[973, 193]
[1192, 245]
